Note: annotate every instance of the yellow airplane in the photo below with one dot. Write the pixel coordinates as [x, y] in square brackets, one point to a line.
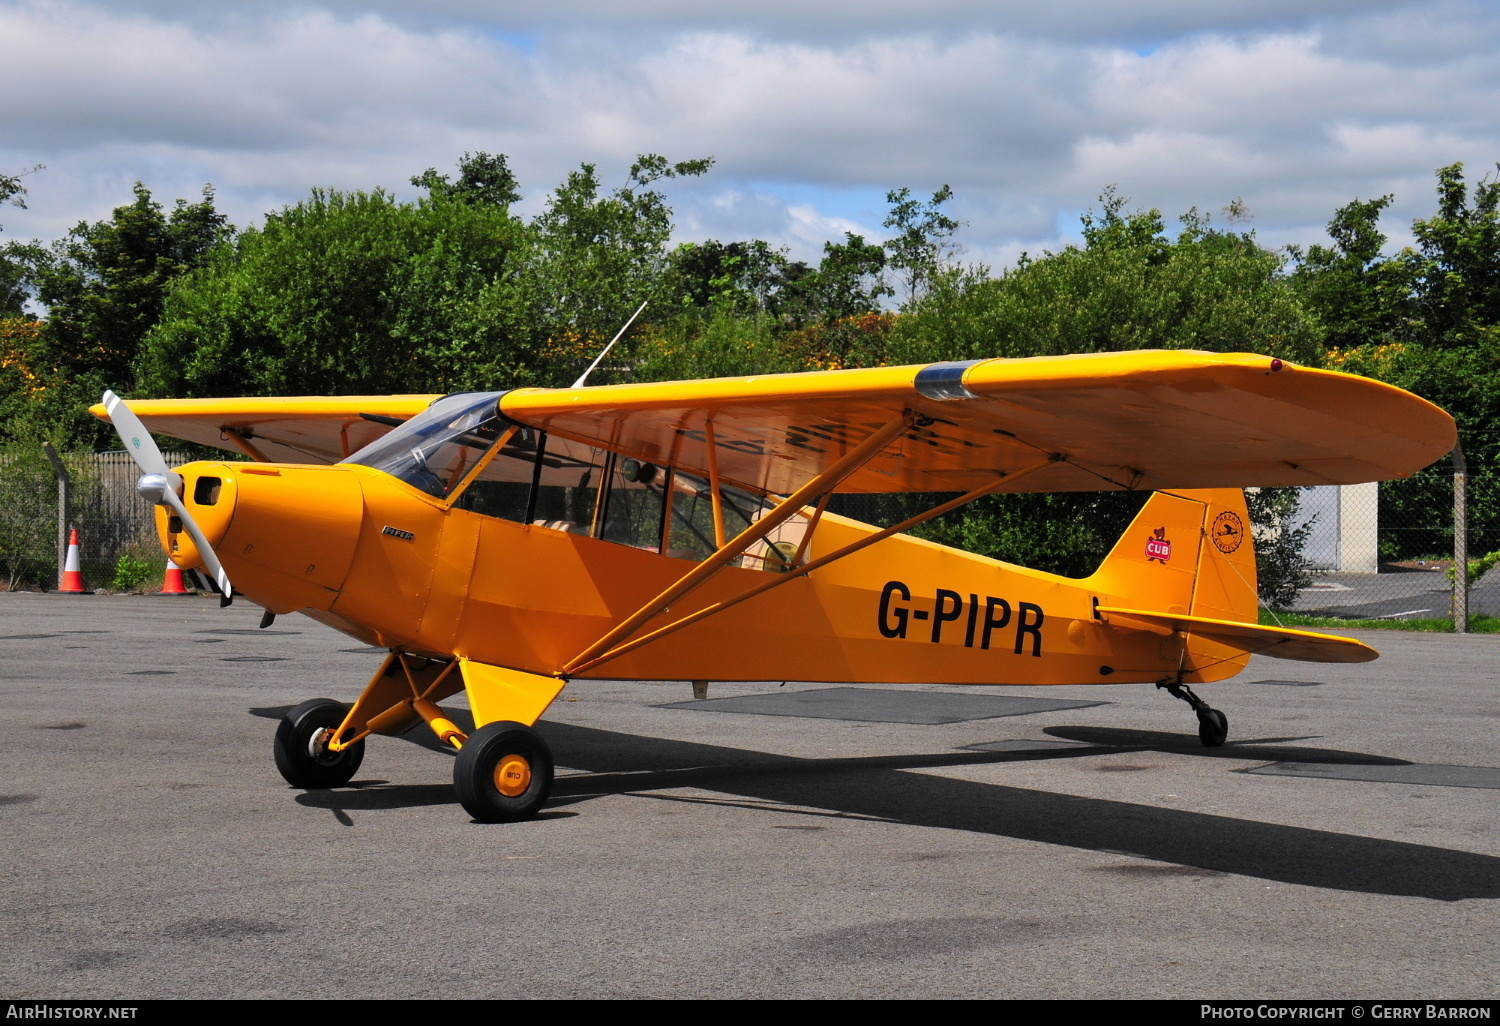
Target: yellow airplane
[505, 543]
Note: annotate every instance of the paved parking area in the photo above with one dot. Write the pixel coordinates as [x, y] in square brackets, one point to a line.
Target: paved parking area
[1342, 845]
[1409, 595]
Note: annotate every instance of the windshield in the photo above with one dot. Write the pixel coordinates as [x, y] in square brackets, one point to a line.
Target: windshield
[440, 446]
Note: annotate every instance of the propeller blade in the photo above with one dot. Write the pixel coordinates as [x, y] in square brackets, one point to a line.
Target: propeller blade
[138, 441]
[162, 485]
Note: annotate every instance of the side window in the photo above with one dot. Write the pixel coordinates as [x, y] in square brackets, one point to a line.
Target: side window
[566, 486]
[691, 533]
[567, 491]
[634, 503]
[502, 490]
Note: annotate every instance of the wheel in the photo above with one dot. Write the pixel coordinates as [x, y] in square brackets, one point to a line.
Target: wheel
[503, 773]
[1213, 727]
[302, 755]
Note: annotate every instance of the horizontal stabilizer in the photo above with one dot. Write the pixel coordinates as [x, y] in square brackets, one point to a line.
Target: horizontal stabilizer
[1280, 642]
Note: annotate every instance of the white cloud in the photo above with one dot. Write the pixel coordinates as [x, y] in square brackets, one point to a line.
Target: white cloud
[828, 20]
[1027, 109]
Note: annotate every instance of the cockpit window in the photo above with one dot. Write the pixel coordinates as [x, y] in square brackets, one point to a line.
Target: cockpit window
[439, 447]
[463, 450]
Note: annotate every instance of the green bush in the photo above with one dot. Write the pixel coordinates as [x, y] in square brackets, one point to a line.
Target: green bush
[131, 573]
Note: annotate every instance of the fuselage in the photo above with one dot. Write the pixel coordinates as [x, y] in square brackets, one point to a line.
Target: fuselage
[389, 564]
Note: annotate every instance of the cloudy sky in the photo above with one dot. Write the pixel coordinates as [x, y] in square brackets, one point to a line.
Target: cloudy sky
[1028, 108]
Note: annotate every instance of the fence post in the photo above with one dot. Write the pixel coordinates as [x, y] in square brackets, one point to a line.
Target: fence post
[1460, 542]
[64, 503]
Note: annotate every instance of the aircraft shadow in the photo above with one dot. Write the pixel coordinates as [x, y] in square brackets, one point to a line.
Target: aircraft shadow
[879, 787]
[1186, 744]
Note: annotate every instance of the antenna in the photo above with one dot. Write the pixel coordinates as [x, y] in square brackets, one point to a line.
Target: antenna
[584, 376]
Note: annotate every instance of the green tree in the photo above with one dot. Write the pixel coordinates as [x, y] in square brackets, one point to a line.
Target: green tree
[923, 241]
[1358, 293]
[1458, 268]
[104, 285]
[850, 279]
[746, 277]
[1281, 569]
[28, 517]
[1435, 332]
[16, 260]
[1129, 287]
[359, 292]
[11, 189]
[599, 255]
[350, 292]
[482, 178]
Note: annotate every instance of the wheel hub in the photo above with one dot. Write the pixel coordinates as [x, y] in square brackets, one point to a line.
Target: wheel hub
[317, 745]
[513, 776]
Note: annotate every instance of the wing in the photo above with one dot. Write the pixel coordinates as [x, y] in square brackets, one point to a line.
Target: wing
[297, 430]
[1140, 420]
[1281, 642]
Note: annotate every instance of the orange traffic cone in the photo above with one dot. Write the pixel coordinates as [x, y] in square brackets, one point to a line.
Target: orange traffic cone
[172, 583]
[72, 576]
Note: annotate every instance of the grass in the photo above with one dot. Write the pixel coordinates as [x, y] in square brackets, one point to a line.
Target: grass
[1478, 624]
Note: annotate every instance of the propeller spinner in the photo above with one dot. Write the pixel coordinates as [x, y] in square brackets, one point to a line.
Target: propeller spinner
[160, 484]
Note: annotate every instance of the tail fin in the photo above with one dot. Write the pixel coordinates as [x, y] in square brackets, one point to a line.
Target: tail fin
[1188, 552]
[1185, 568]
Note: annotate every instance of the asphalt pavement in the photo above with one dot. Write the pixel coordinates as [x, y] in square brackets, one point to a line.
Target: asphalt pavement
[773, 841]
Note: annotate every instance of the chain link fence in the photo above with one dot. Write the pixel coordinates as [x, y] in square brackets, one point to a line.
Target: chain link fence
[113, 523]
[1387, 551]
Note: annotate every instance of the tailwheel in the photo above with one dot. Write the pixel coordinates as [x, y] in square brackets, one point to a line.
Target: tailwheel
[503, 773]
[1213, 727]
[302, 753]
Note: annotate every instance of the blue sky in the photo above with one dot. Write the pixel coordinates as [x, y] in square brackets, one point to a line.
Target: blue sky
[812, 112]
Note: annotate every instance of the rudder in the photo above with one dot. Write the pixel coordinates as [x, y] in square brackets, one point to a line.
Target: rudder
[1188, 551]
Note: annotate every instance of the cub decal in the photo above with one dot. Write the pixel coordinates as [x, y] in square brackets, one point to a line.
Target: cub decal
[1158, 549]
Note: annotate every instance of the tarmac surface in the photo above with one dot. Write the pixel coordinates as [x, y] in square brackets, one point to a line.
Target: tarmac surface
[1407, 595]
[769, 842]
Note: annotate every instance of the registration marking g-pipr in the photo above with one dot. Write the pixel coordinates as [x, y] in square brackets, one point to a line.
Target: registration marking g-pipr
[982, 616]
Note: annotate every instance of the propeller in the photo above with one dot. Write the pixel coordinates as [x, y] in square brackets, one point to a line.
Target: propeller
[162, 485]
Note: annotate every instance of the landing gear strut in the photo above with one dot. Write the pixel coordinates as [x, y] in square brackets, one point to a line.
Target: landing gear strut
[1213, 725]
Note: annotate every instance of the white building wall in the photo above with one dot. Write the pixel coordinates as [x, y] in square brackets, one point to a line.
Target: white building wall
[1345, 521]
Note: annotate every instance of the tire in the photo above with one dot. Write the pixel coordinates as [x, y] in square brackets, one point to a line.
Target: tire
[295, 737]
[503, 773]
[1213, 728]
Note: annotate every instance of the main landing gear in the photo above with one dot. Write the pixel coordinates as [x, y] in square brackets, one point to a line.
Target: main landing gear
[1213, 725]
[302, 753]
[502, 771]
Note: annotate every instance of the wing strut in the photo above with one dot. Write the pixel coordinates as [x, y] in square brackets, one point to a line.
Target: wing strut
[784, 510]
[241, 441]
[584, 662]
